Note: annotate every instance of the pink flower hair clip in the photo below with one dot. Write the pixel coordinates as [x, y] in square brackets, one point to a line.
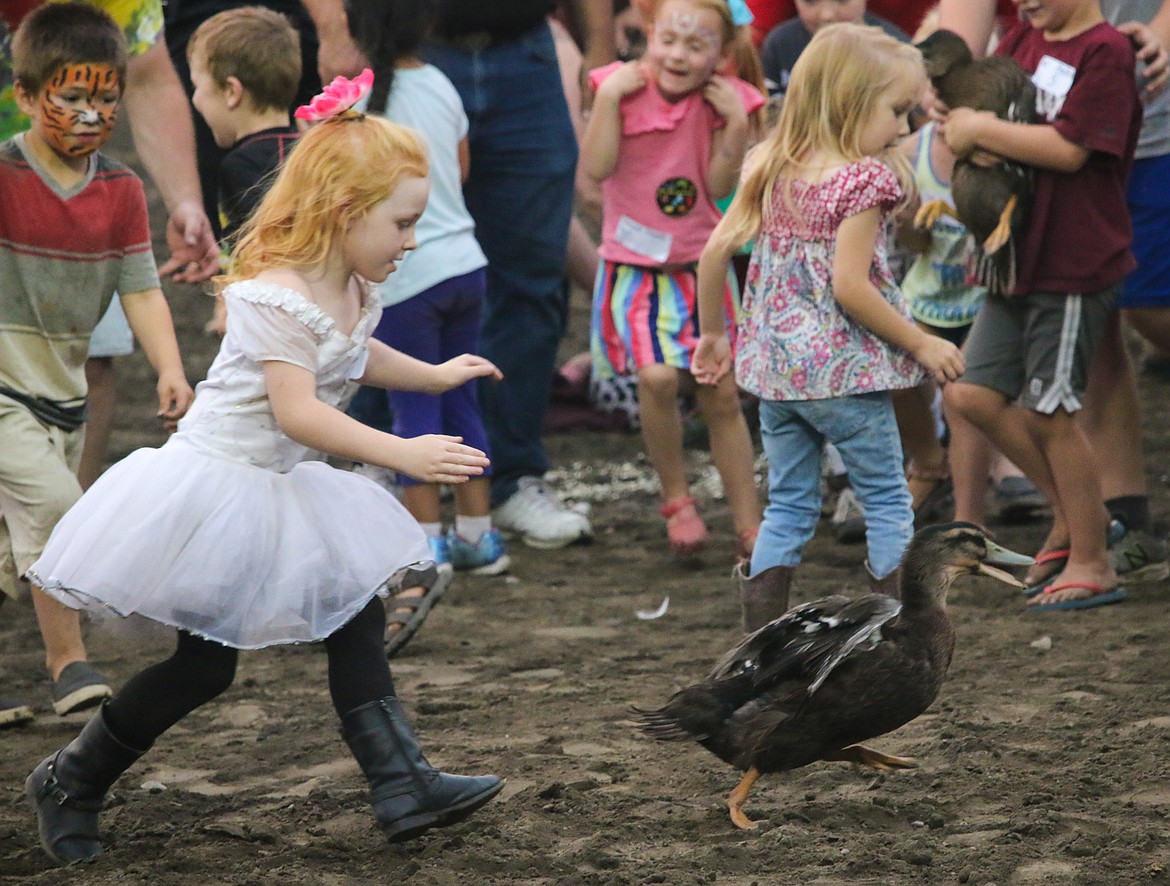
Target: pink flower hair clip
[338, 98]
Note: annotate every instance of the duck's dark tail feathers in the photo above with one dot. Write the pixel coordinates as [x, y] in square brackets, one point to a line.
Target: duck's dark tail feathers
[997, 271]
[662, 725]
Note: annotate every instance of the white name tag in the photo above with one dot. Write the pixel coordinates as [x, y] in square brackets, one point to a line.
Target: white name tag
[655, 245]
[1054, 76]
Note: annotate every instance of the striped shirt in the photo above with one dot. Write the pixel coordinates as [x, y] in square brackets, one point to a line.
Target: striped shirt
[63, 255]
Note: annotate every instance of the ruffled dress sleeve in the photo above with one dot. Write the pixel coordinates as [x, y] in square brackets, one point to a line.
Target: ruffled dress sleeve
[867, 184]
[269, 322]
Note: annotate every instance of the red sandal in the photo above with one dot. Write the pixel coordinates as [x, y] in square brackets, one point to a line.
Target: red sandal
[684, 526]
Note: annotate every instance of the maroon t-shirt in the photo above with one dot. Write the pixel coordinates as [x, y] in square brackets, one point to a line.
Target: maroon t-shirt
[1078, 235]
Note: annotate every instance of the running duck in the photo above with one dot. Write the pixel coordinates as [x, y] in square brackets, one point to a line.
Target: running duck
[992, 202]
[830, 673]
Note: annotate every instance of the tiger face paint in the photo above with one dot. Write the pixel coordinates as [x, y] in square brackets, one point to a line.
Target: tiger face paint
[76, 110]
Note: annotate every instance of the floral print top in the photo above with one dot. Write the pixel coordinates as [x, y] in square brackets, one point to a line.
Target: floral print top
[795, 341]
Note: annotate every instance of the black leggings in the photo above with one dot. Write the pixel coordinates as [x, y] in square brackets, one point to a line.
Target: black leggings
[157, 698]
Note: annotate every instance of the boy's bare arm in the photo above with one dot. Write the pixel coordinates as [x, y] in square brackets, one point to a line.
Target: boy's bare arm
[1036, 144]
[149, 317]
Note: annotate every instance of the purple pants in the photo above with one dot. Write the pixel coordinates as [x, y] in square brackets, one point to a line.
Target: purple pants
[437, 324]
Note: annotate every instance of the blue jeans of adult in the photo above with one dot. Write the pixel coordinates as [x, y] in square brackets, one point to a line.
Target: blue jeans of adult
[520, 193]
[863, 429]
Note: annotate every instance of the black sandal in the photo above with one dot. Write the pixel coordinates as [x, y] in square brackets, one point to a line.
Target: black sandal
[410, 612]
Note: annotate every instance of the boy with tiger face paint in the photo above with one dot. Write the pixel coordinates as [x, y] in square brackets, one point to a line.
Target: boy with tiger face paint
[75, 112]
[74, 235]
[69, 82]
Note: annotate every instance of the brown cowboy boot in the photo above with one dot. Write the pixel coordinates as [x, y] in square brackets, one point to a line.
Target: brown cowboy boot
[890, 585]
[762, 597]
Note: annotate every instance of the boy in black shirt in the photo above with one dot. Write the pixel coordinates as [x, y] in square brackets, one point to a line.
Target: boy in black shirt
[245, 67]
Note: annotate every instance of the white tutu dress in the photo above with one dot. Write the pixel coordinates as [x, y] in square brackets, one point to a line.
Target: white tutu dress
[231, 530]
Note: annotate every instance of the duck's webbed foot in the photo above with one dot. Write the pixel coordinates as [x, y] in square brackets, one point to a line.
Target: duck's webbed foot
[869, 757]
[931, 211]
[738, 797]
[1002, 232]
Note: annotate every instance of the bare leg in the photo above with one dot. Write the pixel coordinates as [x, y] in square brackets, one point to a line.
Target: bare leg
[658, 390]
[731, 450]
[1078, 496]
[1153, 324]
[920, 441]
[1008, 428]
[738, 797]
[101, 378]
[422, 500]
[1111, 417]
[473, 498]
[971, 454]
[61, 632]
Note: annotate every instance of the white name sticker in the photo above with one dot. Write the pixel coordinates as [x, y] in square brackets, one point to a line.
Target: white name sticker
[655, 245]
[1054, 76]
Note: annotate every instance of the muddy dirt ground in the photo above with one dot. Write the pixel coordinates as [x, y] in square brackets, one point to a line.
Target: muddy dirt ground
[1043, 761]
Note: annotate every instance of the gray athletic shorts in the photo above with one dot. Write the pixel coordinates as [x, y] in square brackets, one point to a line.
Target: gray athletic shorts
[1036, 349]
[112, 337]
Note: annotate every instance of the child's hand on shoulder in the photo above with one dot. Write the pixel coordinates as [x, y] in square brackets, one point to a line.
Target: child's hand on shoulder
[940, 357]
[626, 80]
[437, 458]
[465, 367]
[721, 95]
[174, 398]
[711, 360]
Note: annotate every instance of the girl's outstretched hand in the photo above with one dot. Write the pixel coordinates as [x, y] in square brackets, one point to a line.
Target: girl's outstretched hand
[712, 359]
[174, 398]
[436, 458]
[941, 357]
[464, 368]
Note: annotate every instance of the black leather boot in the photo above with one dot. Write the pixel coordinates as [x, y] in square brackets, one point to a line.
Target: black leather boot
[408, 794]
[67, 790]
[762, 597]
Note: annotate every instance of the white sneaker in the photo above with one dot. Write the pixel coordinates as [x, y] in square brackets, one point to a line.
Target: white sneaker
[540, 518]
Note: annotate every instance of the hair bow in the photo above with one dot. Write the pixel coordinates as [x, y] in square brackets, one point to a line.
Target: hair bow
[337, 98]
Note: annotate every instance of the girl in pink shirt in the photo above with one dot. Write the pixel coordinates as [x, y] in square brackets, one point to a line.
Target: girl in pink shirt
[666, 137]
[825, 335]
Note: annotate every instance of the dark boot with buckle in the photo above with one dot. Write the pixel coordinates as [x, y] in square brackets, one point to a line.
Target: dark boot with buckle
[890, 585]
[67, 790]
[408, 794]
[762, 597]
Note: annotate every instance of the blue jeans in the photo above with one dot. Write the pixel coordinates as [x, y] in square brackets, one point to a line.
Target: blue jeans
[520, 193]
[863, 429]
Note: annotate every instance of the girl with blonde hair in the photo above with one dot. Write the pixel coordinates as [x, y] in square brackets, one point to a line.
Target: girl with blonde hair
[233, 533]
[825, 334]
